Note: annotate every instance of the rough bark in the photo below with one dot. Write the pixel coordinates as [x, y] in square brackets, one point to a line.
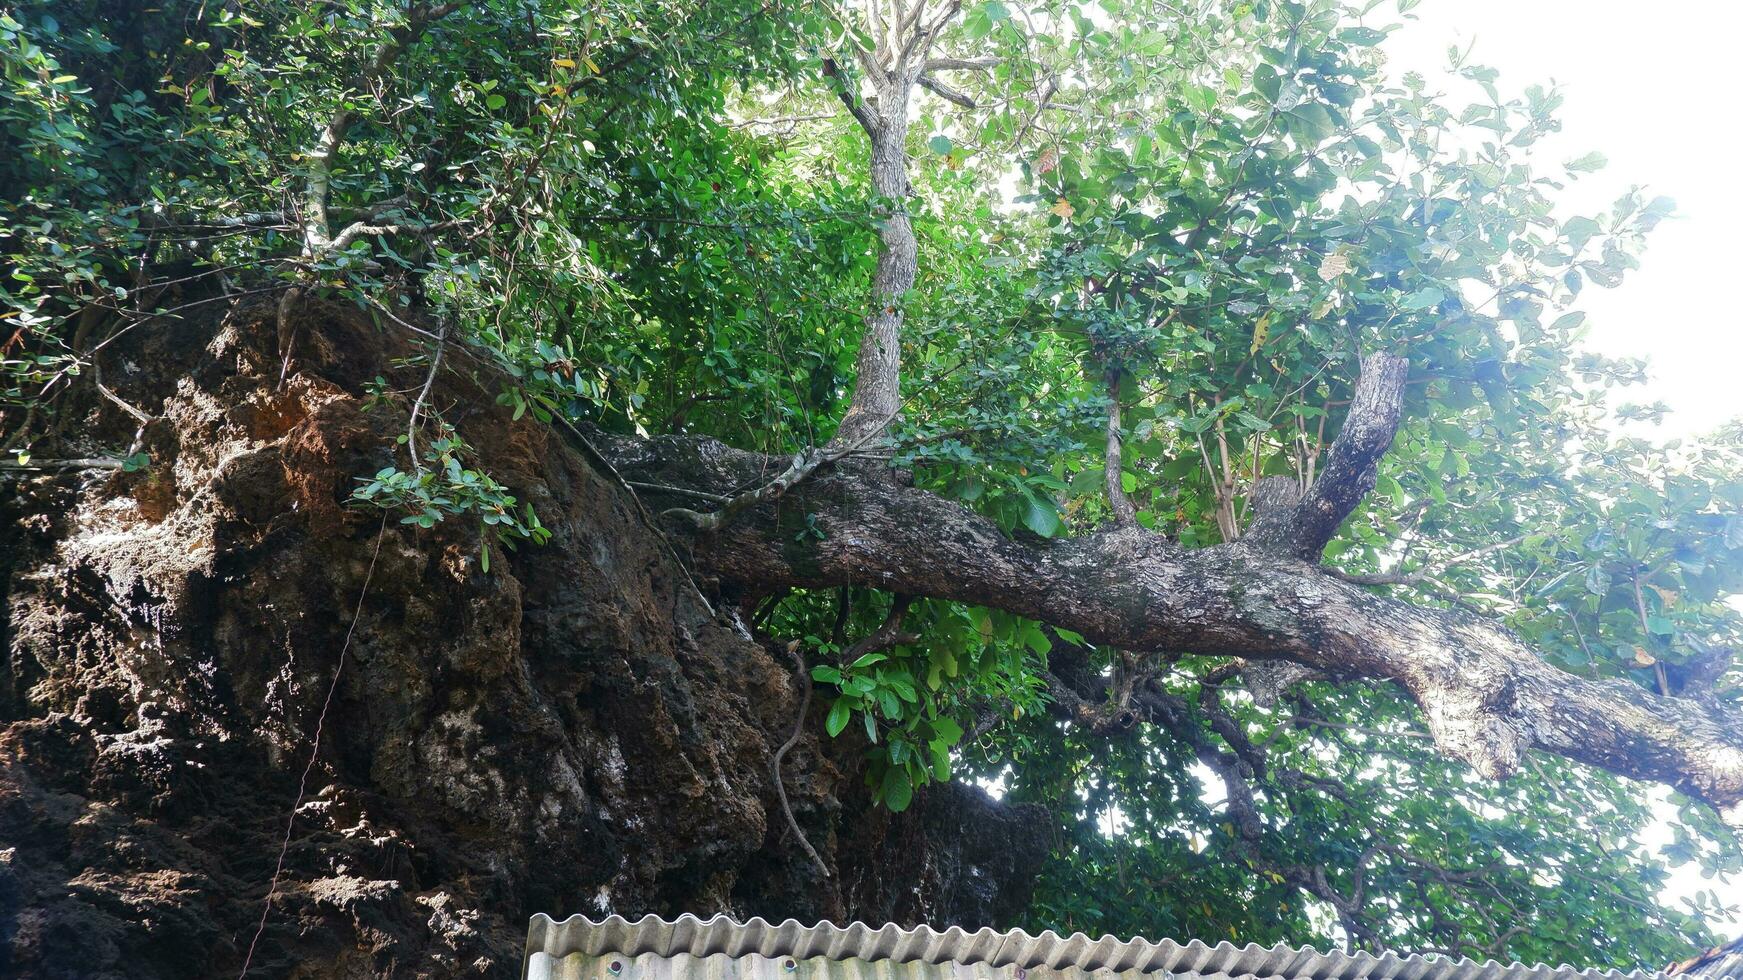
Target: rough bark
[1486, 697]
[1302, 528]
[1113, 466]
[576, 731]
[896, 65]
[877, 387]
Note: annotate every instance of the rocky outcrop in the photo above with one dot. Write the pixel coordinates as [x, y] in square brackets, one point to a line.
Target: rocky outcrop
[579, 729]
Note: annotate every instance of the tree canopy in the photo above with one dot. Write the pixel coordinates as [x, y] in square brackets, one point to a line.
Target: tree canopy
[1181, 421]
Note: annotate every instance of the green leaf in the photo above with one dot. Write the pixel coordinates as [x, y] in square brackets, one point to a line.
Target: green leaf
[839, 713]
[940, 144]
[947, 730]
[1041, 516]
[940, 761]
[898, 789]
[892, 706]
[1424, 298]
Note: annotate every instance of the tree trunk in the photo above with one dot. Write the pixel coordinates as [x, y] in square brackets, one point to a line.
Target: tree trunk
[877, 389]
[578, 730]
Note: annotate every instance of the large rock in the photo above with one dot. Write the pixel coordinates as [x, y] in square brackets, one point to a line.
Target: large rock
[580, 729]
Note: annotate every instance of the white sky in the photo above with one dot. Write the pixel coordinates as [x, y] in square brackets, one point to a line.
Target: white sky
[1654, 88]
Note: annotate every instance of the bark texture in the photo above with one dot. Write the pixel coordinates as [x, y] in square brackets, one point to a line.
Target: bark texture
[1486, 696]
[877, 387]
[576, 731]
[895, 63]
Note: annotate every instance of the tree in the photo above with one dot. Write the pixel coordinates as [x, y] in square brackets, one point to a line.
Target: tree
[1249, 443]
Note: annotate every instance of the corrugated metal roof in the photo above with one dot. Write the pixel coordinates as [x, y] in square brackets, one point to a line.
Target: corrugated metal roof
[1720, 963]
[690, 948]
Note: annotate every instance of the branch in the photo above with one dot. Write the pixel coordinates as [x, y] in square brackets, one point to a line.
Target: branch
[1351, 465]
[317, 226]
[1411, 578]
[962, 64]
[358, 229]
[1486, 697]
[945, 92]
[888, 634]
[63, 465]
[1113, 466]
[804, 463]
[411, 432]
[843, 89]
[804, 675]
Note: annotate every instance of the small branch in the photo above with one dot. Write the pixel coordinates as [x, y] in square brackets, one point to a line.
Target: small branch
[317, 226]
[888, 634]
[1411, 578]
[804, 463]
[1125, 514]
[842, 85]
[358, 229]
[411, 434]
[683, 491]
[63, 465]
[143, 417]
[20, 434]
[962, 64]
[946, 93]
[804, 675]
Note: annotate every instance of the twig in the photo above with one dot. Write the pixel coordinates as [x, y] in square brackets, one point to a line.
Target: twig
[804, 675]
[62, 465]
[805, 462]
[411, 433]
[686, 491]
[1411, 578]
[125, 407]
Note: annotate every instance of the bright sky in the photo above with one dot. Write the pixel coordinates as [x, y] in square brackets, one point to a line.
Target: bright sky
[1652, 87]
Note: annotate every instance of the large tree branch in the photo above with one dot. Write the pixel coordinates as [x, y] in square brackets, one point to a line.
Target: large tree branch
[1487, 698]
[1351, 465]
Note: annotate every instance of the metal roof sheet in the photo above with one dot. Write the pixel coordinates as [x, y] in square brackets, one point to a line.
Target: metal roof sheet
[690, 948]
[1720, 963]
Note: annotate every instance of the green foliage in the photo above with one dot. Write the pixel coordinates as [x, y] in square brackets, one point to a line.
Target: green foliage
[446, 487]
[657, 217]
